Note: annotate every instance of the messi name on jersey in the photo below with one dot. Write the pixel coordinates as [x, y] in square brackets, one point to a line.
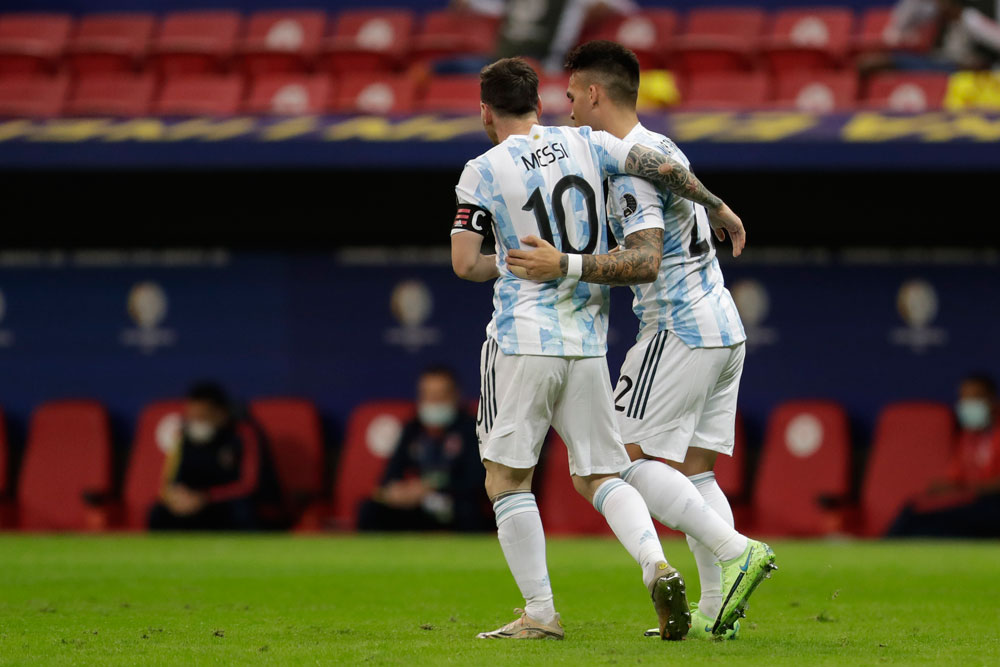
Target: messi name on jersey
[544, 156]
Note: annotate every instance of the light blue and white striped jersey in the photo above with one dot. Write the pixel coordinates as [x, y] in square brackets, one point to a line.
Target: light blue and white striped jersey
[689, 297]
[547, 183]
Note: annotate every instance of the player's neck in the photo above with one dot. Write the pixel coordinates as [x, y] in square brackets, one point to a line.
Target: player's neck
[621, 122]
[509, 127]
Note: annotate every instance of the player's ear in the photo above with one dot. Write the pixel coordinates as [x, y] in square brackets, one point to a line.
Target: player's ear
[592, 94]
[486, 113]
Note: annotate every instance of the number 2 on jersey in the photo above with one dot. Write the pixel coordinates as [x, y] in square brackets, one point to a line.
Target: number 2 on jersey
[536, 204]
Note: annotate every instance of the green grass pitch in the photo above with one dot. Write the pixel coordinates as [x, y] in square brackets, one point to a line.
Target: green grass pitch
[421, 600]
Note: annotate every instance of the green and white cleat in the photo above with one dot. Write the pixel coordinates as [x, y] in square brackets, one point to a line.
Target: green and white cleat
[669, 595]
[701, 627]
[740, 578]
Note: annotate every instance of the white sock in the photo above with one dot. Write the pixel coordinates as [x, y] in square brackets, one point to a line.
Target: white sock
[519, 527]
[709, 573]
[626, 513]
[675, 502]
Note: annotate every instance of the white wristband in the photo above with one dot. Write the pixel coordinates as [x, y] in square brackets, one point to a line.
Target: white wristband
[574, 266]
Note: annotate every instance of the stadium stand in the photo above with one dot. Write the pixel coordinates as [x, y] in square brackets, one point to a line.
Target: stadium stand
[910, 92]
[32, 43]
[871, 34]
[804, 474]
[714, 40]
[726, 91]
[144, 474]
[451, 94]
[552, 94]
[446, 33]
[112, 94]
[289, 94]
[104, 43]
[563, 510]
[911, 449]
[817, 91]
[66, 473]
[372, 432]
[368, 40]
[200, 95]
[365, 93]
[649, 34]
[196, 42]
[808, 39]
[295, 436]
[8, 516]
[29, 96]
[282, 41]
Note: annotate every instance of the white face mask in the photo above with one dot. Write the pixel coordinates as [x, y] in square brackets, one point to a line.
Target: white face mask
[436, 415]
[973, 414]
[199, 432]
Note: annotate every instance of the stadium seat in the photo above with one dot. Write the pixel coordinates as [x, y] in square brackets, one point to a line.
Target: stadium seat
[364, 93]
[906, 92]
[372, 432]
[808, 39]
[289, 94]
[66, 467]
[648, 34]
[110, 43]
[563, 510]
[871, 35]
[8, 516]
[447, 33]
[816, 91]
[451, 94]
[282, 41]
[112, 94]
[200, 95]
[552, 94]
[726, 91]
[804, 471]
[911, 449]
[196, 42]
[32, 43]
[295, 435]
[32, 96]
[368, 40]
[715, 40]
[158, 422]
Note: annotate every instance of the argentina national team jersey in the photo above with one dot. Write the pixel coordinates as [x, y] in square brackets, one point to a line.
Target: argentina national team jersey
[548, 184]
[689, 296]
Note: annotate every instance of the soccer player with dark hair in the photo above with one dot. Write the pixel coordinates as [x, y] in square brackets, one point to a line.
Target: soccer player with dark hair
[543, 362]
[676, 394]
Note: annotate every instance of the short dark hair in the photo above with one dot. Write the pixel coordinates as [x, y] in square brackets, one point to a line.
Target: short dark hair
[509, 87]
[210, 392]
[441, 370]
[984, 380]
[617, 67]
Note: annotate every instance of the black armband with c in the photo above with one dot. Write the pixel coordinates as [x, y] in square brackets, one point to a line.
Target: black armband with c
[472, 218]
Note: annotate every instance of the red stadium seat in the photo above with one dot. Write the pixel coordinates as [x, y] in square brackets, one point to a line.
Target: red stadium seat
[200, 95]
[158, 422]
[563, 510]
[67, 458]
[197, 42]
[8, 514]
[295, 435]
[447, 33]
[871, 35]
[804, 470]
[715, 40]
[906, 92]
[32, 96]
[364, 93]
[110, 43]
[289, 94]
[726, 91]
[817, 92]
[912, 447]
[808, 39]
[648, 34]
[365, 40]
[372, 432]
[282, 41]
[112, 94]
[32, 43]
[552, 94]
[451, 94]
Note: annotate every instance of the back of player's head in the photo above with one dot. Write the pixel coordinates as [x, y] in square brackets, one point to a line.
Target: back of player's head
[509, 87]
[612, 65]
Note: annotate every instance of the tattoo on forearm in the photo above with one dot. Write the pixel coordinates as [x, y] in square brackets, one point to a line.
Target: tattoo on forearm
[645, 162]
[638, 263]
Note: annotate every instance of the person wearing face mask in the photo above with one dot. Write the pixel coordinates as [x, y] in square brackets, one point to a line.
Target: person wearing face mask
[218, 472]
[434, 480]
[967, 503]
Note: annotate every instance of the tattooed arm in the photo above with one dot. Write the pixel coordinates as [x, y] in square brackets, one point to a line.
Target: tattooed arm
[638, 263]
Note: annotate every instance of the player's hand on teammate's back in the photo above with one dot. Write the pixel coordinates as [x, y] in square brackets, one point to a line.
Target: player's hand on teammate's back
[540, 264]
[724, 220]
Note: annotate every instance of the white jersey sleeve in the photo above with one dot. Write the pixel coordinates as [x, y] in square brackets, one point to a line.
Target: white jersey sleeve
[610, 150]
[633, 205]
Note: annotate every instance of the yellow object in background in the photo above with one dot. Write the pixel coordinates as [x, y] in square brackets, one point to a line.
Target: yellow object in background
[657, 89]
[972, 90]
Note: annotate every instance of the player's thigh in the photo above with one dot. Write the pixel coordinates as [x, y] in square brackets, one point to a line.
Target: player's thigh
[716, 428]
[518, 394]
[584, 418]
[661, 393]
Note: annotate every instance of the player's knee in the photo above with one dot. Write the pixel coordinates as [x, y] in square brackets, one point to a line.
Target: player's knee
[696, 462]
[501, 479]
[587, 485]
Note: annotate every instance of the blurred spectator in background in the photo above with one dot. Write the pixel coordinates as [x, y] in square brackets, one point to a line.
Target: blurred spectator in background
[967, 504]
[965, 34]
[218, 473]
[434, 479]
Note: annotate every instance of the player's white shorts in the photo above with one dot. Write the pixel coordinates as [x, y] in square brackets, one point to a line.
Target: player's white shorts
[521, 395]
[670, 397]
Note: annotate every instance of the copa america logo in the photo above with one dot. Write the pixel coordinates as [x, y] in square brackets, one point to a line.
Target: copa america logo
[6, 336]
[147, 306]
[917, 304]
[411, 304]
